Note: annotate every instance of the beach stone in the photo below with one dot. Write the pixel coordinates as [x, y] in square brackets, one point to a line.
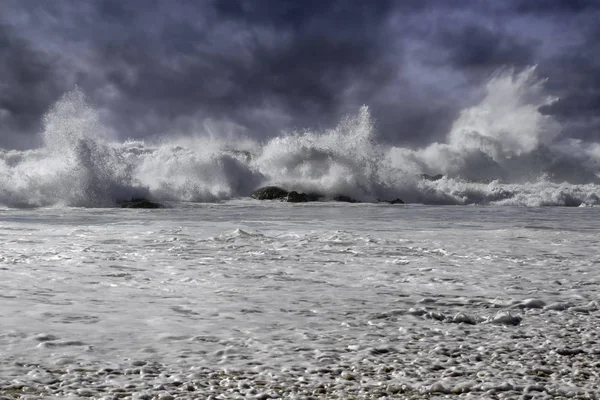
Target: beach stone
[534, 388]
[531, 303]
[45, 337]
[559, 306]
[438, 316]
[590, 307]
[347, 375]
[569, 352]
[505, 318]
[463, 387]
[438, 388]
[462, 318]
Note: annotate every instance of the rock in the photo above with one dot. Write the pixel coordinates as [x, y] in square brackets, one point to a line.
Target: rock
[590, 307]
[347, 375]
[462, 318]
[343, 198]
[438, 316]
[559, 306]
[417, 311]
[463, 387]
[269, 193]
[437, 387]
[565, 351]
[505, 318]
[396, 201]
[432, 178]
[139, 203]
[534, 388]
[313, 196]
[295, 197]
[531, 303]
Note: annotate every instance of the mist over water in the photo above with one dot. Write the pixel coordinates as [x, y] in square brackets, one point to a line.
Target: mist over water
[502, 151]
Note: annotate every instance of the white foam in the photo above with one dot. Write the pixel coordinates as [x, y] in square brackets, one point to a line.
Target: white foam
[501, 151]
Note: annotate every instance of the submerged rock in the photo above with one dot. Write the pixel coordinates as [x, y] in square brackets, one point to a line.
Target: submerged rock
[269, 193]
[139, 203]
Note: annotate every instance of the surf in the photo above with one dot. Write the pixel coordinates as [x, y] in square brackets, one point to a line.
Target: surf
[501, 151]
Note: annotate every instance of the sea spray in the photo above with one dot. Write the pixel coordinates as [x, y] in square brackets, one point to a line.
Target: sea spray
[506, 122]
[341, 160]
[506, 138]
[501, 151]
[77, 166]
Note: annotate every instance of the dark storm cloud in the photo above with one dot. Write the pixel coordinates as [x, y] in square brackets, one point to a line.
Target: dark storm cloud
[554, 6]
[28, 84]
[296, 70]
[156, 66]
[476, 46]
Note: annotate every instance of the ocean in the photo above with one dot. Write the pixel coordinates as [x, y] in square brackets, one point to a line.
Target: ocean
[485, 284]
[251, 299]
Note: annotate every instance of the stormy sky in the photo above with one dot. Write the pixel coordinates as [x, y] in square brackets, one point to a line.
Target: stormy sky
[256, 67]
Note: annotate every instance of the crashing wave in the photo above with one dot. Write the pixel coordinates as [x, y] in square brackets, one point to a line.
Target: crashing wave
[500, 152]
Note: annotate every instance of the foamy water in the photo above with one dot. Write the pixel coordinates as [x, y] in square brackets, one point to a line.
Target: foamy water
[501, 152]
[257, 299]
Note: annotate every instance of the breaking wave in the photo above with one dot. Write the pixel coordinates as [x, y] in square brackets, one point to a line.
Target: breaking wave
[502, 151]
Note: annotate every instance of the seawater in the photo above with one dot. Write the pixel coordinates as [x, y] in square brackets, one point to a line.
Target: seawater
[247, 298]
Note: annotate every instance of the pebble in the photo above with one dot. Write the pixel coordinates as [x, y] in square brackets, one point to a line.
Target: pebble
[559, 306]
[531, 303]
[463, 387]
[462, 318]
[505, 318]
[437, 388]
[554, 355]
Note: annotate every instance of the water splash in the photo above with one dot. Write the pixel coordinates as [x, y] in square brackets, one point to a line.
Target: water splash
[506, 138]
[77, 166]
[501, 151]
[506, 123]
[341, 160]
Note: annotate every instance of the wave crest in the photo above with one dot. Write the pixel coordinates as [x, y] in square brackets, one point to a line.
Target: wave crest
[501, 151]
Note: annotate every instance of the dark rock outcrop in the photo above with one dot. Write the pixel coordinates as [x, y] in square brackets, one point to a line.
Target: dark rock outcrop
[277, 193]
[270, 193]
[395, 201]
[139, 203]
[314, 196]
[295, 197]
